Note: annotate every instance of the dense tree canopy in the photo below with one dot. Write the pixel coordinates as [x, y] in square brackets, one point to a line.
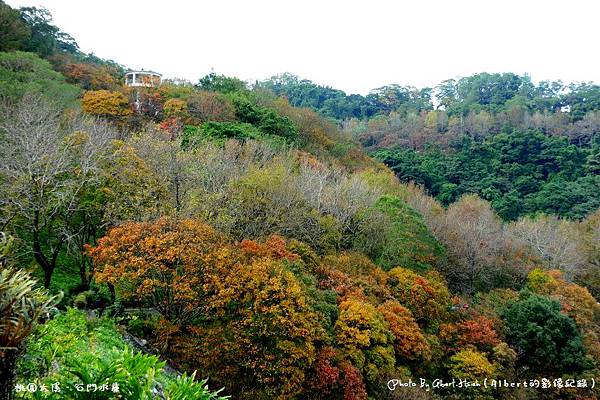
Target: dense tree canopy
[518, 172]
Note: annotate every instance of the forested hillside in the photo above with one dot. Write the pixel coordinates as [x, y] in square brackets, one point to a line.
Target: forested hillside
[525, 148]
[286, 241]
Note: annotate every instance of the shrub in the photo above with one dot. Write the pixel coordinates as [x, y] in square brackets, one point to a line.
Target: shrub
[472, 366]
[21, 307]
[143, 327]
[220, 132]
[80, 300]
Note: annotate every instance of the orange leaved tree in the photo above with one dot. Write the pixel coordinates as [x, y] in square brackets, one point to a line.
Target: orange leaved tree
[160, 263]
[113, 106]
[236, 311]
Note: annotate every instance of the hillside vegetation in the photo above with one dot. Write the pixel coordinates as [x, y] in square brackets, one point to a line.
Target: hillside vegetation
[246, 236]
[525, 148]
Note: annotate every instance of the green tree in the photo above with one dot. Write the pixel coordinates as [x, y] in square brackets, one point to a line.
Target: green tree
[265, 119]
[221, 83]
[327, 101]
[406, 241]
[46, 38]
[14, 33]
[545, 339]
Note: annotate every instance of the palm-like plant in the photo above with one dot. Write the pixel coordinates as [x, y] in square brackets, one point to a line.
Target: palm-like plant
[21, 306]
[134, 373]
[187, 387]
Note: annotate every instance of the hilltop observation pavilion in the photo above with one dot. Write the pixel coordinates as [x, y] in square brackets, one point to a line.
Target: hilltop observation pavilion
[142, 78]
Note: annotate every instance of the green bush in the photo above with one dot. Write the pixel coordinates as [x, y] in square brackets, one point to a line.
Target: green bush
[97, 296]
[80, 301]
[143, 327]
[265, 119]
[220, 132]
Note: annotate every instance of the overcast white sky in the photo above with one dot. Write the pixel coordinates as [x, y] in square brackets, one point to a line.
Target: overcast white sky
[351, 45]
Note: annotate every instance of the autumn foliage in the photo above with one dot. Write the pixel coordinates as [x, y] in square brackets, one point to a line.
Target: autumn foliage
[241, 311]
[364, 336]
[175, 108]
[90, 77]
[260, 328]
[472, 366]
[409, 342]
[232, 309]
[274, 319]
[106, 103]
[352, 274]
[478, 332]
[281, 261]
[206, 106]
[159, 263]
[426, 297]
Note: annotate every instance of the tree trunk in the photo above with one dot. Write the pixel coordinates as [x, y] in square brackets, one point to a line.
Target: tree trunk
[42, 261]
[48, 277]
[82, 276]
[7, 375]
[177, 201]
[38, 254]
[111, 289]
[83, 273]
